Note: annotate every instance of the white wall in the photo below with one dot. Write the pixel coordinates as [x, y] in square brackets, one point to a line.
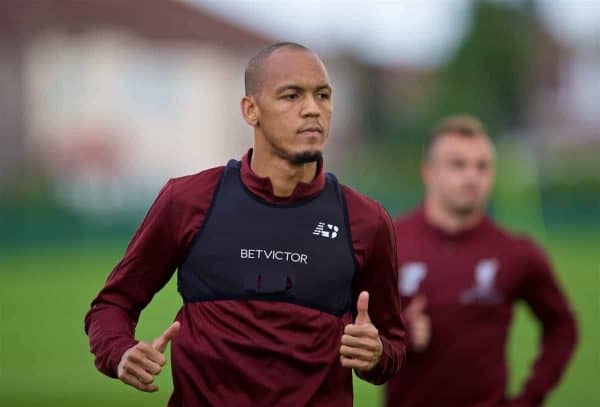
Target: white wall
[109, 112]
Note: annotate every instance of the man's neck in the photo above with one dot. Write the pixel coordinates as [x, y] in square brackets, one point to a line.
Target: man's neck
[449, 222]
[284, 175]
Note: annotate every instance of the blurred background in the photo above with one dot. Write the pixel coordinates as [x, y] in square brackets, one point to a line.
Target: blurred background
[101, 102]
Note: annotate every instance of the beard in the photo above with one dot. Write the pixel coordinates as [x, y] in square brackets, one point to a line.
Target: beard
[460, 207]
[464, 210]
[303, 157]
[306, 157]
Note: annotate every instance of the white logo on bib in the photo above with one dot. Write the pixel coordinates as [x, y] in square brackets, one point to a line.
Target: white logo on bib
[326, 230]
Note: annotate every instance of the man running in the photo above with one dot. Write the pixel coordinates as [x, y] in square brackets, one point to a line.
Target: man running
[460, 276]
[287, 277]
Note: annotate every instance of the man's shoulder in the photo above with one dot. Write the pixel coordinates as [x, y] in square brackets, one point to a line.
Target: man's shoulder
[195, 187]
[199, 180]
[360, 204]
[527, 251]
[369, 221]
[519, 242]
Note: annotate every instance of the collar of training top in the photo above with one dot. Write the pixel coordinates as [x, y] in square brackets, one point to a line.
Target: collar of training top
[474, 231]
[262, 186]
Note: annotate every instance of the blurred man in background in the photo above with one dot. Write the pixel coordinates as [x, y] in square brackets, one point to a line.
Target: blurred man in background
[273, 255]
[460, 275]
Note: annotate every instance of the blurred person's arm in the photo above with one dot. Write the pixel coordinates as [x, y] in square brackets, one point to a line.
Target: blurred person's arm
[155, 251]
[417, 324]
[379, 277]
[543, 295]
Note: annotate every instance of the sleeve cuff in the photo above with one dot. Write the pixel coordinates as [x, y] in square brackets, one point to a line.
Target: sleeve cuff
[387, 366]
[110, 367]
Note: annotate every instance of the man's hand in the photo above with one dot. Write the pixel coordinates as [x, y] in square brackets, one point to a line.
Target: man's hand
[142, 362]
[361, 345]
[419, 323]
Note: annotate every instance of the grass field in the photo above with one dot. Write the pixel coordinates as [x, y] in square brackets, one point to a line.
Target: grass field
[45, 361]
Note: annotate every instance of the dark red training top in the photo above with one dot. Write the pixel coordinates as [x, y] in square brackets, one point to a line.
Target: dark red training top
[471, 281]
[262, 352]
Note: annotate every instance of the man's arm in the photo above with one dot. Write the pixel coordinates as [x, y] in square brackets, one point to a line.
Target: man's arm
[148, 263]
[379, 278]
[559, 333]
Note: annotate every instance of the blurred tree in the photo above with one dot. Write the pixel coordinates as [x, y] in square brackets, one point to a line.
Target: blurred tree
[488, 74]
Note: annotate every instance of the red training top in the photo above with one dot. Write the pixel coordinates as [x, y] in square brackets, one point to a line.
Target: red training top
[471, 281]
[248, 353]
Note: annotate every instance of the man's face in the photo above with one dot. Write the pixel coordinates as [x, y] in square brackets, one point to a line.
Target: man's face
[294, 105]
[459, 172]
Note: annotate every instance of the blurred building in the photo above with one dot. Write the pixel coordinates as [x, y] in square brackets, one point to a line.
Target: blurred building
[565, 87]
[563, 130]
[108, 99]
[111, 97]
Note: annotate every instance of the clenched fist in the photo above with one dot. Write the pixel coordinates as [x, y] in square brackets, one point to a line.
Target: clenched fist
[361, 345]
[142, 362]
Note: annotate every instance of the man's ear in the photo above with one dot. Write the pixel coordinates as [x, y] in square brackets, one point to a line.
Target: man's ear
[250, 111]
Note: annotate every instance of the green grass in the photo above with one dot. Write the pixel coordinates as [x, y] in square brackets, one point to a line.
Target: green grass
[577, 259]
[45, 361]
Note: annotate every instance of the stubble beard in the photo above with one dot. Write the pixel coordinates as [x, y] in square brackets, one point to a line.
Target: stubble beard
[463, 210]
[304, 157]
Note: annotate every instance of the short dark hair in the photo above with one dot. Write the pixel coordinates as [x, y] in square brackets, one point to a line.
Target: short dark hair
[253, 72]
[463, 125]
